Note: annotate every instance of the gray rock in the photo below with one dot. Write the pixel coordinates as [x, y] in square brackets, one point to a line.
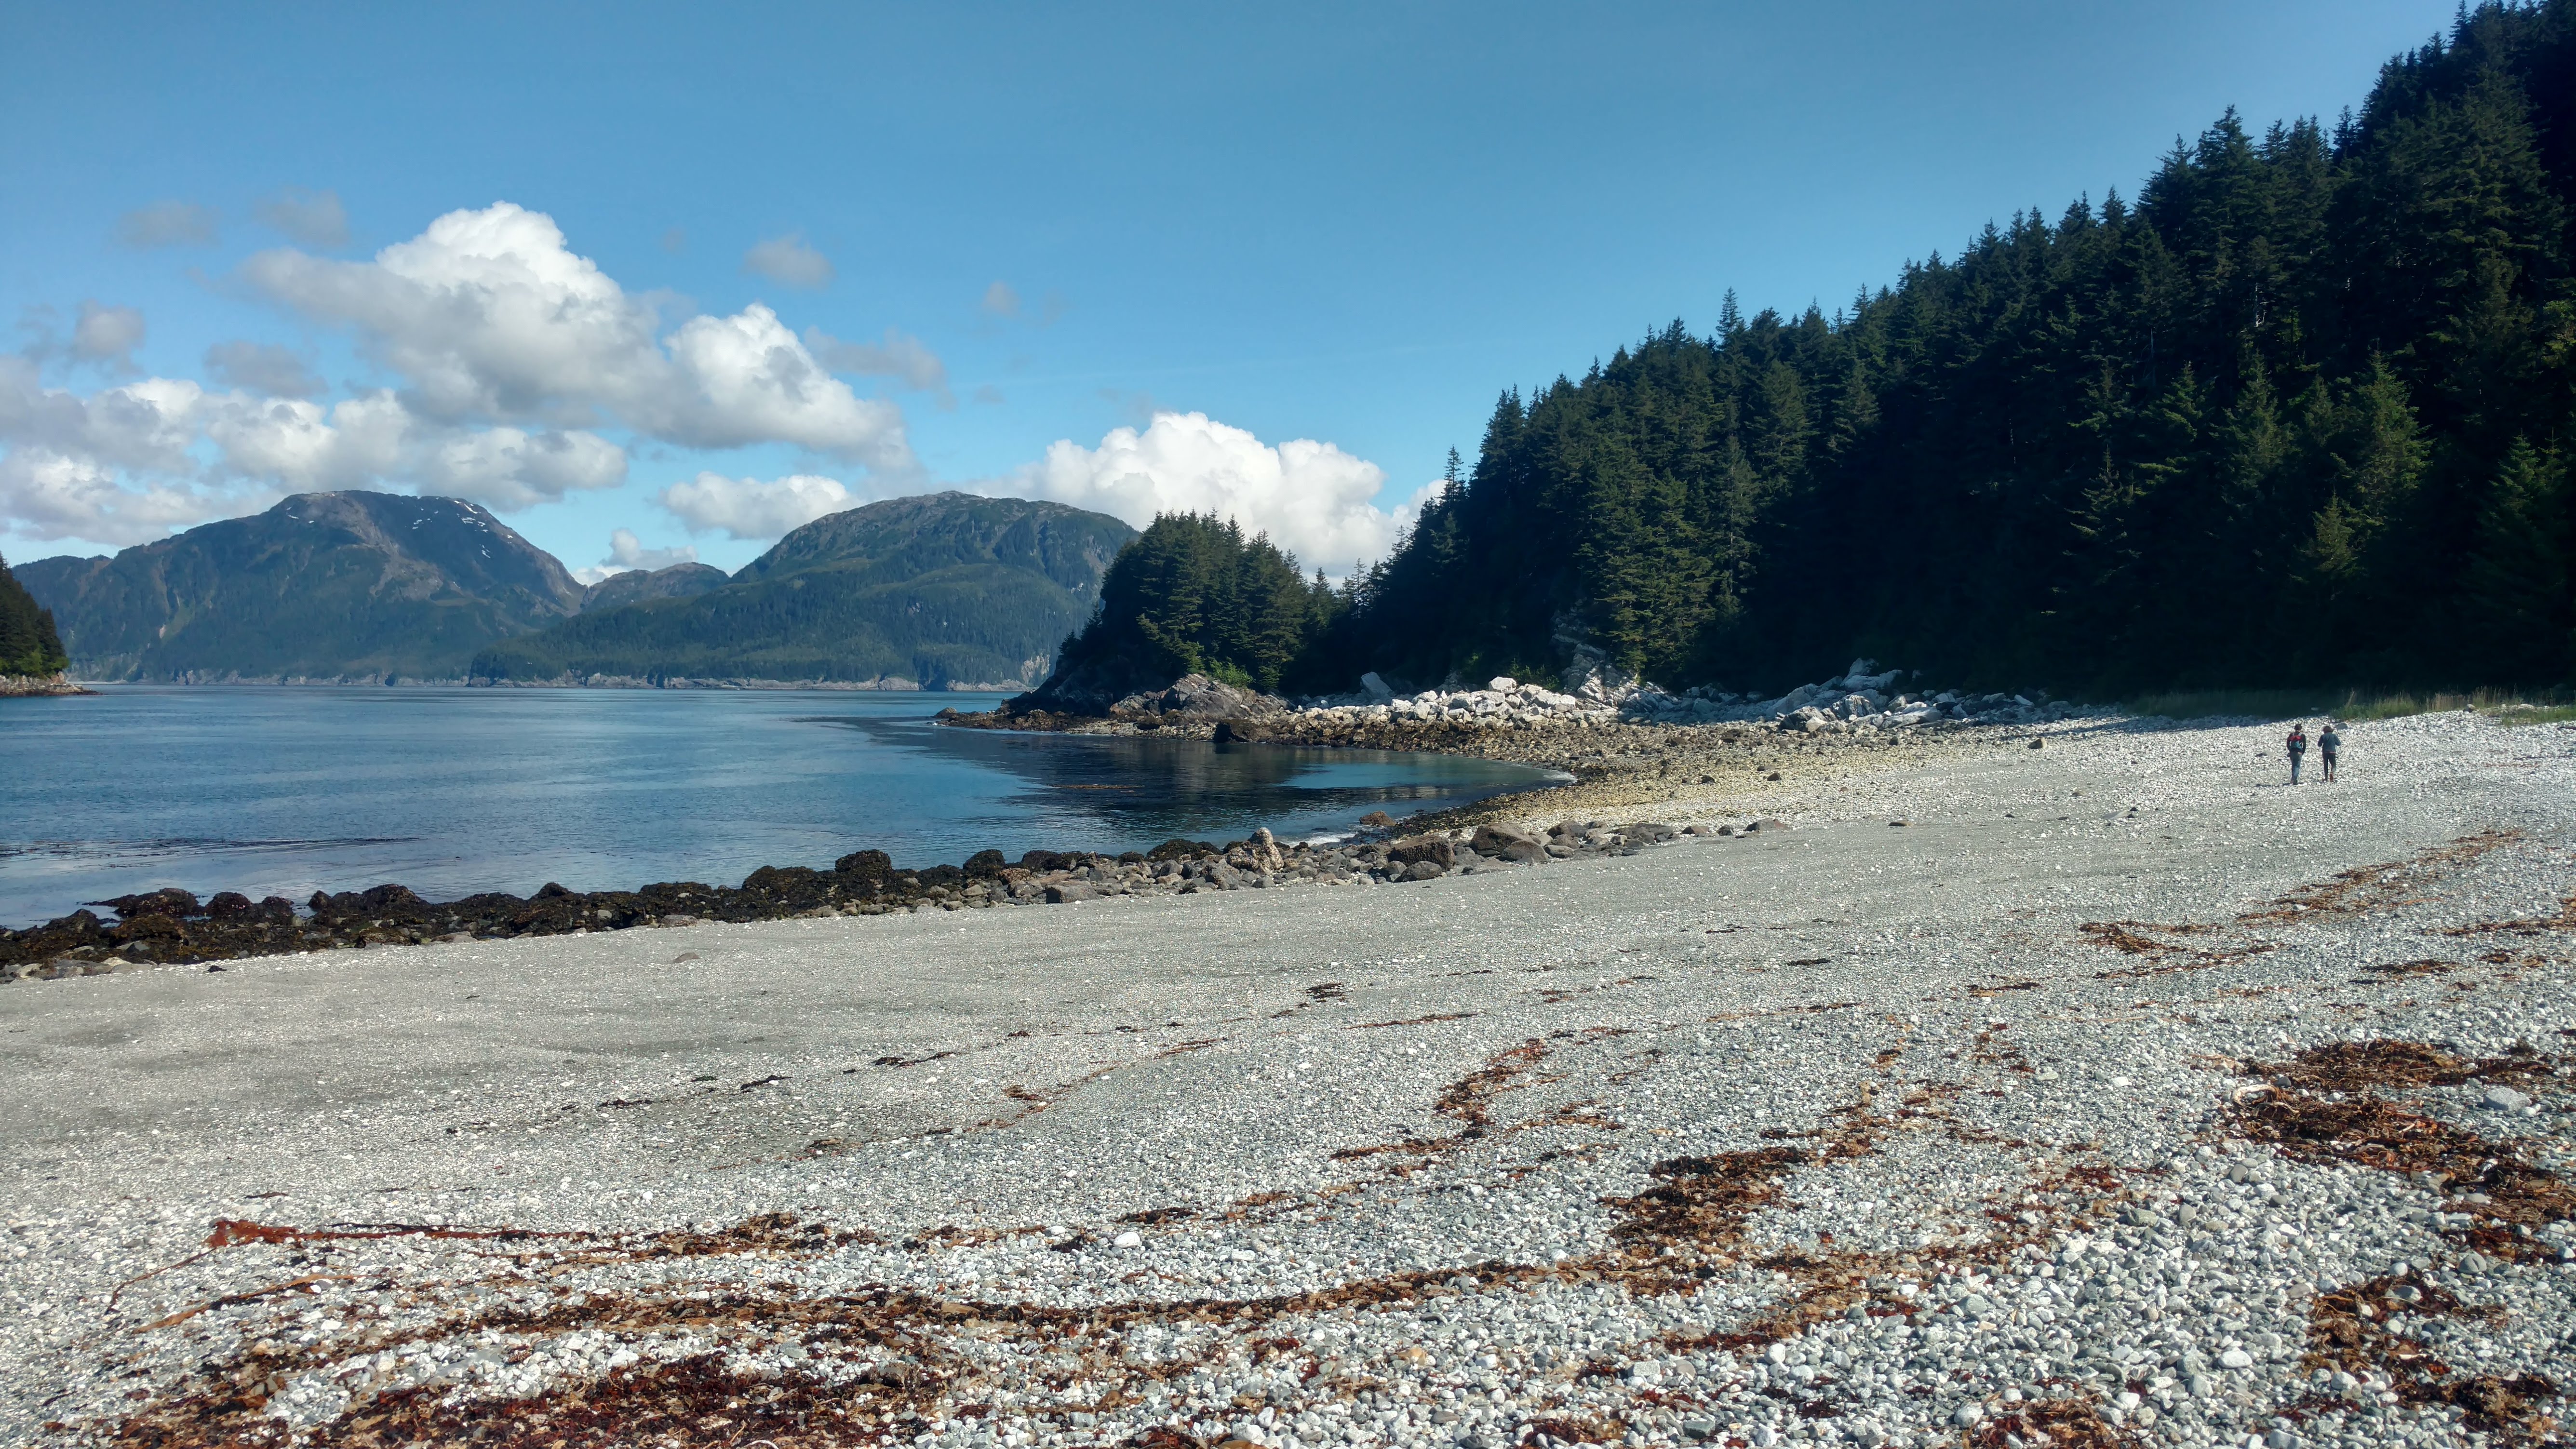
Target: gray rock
[2505, 1099]
[1436, 850]
[1197, 697]
[1506, 843]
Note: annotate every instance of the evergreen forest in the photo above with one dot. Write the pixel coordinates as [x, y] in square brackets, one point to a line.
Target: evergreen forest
[2299, 412]
[1193, 594]
[28, 642]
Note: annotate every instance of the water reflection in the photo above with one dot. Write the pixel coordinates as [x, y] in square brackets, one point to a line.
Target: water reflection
[1139, 790]
[452, 791]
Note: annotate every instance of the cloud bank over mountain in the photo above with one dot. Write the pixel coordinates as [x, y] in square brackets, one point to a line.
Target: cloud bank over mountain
[749, 508]
[512, 359]
[511, 370]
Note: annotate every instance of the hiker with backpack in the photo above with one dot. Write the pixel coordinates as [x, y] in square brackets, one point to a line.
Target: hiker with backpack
[2298, 750]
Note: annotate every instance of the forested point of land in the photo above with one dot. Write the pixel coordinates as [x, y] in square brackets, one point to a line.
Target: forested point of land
[28, 641]
[2300, 412]
[1193, 594]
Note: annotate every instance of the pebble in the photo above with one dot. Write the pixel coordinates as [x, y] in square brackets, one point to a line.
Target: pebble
[2001, 1165]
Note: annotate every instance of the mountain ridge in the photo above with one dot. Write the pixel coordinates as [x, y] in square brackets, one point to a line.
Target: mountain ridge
[942, 590]
[346, 587]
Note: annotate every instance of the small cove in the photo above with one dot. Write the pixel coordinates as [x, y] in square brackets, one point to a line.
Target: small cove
[270, 790]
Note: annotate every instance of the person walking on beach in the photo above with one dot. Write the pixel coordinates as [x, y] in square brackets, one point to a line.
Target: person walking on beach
[2298, 749]
[2327, 743]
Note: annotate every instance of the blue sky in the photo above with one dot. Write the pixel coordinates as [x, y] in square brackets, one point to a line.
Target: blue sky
[844, 252]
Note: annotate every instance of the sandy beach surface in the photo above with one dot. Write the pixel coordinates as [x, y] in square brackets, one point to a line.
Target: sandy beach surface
[2119, 1094]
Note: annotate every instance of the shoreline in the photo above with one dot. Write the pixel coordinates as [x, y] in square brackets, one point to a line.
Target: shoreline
[1614, 768]
[597, 681]
[1719, 1140]
[31, 686]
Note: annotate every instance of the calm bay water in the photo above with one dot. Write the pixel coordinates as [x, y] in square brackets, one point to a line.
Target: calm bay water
[452, 791]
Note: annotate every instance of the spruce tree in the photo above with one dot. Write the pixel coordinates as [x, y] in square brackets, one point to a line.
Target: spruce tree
[2520, 606]
[29, 644]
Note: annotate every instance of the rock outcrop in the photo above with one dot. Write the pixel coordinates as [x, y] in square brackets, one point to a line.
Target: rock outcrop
[19, 685]
[1863, 697]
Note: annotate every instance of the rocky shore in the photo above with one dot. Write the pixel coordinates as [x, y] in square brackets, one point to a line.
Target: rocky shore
[1629, 765]
[1602, 728]
[21, 685]
[174, 928]
[2109, 1094]
[894, 684]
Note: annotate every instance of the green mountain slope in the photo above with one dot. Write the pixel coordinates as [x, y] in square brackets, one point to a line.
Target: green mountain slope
[939, 590]
[28, 643]
[679, 581]
[2304, 412]
[324, 586]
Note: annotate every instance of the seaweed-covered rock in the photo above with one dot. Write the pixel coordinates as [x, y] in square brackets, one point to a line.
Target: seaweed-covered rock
[169, 901]
[382, 904]
[867, 864]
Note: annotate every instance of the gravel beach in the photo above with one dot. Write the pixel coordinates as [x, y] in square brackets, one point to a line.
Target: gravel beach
[2110, 1091]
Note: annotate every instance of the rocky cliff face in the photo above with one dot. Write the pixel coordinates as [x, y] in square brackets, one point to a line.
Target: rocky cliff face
[324, 587]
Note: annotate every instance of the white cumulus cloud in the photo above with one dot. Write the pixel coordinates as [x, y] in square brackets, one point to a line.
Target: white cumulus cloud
[749, 508]
[788, 259]
[508, 353]
[128, 462]
[49, 495]
[511, 469]
[628, 552]
[1311, 498]
[487, 316]
[107, 334]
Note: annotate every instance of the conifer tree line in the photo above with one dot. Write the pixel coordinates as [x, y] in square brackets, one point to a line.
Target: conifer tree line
[2302, 413]
[1193, 594]
[28, 641]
